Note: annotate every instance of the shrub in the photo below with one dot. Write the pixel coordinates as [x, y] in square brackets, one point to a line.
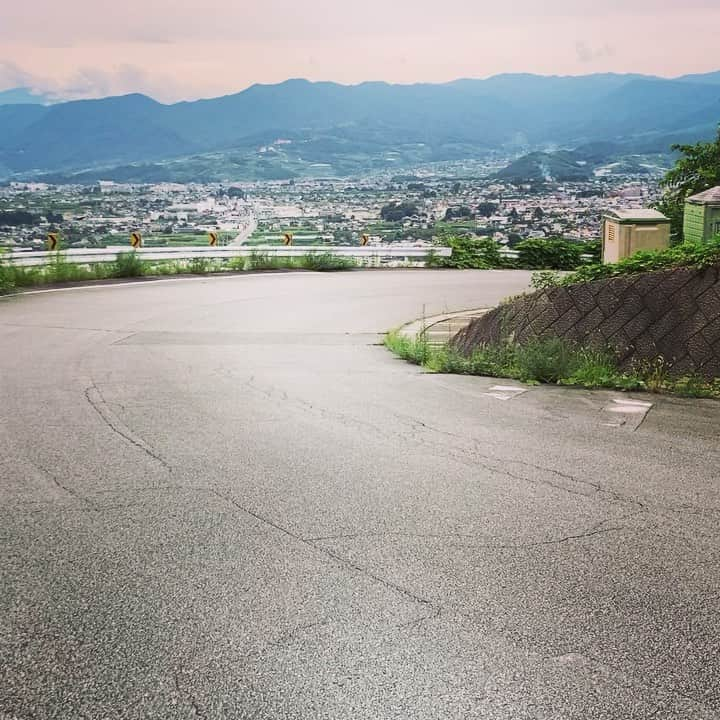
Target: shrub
[545, 360]
[432, 259]
[414, 350]
[326, 262]
[258, 260]
[593, 248]
[550, 360]
[127, 265]
[7, 277]
[696, 386]
[598, 369]
[237, 264]
[199, 265]
[544, 279]
[470, 252]
[655, 374]
[59, 270]
[686, 254]
[549, 253]
[165, 267]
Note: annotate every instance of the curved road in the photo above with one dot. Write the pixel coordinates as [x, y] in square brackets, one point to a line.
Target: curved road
[222, 499]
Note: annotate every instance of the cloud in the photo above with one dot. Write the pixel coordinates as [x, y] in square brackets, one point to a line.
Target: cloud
[13, 76]
[91, 82]
[588, 54]
[185, 49]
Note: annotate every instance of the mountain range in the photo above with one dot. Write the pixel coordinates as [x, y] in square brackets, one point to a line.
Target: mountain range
[334, 129]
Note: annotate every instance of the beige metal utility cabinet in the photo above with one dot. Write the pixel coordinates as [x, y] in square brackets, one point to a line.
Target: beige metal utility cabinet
[627, 231]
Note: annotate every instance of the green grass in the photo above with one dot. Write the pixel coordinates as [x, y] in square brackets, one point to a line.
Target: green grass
[326, 262]
[57, 270]
[258, 260]
[687, 254]
[130, 265]
[551, 360]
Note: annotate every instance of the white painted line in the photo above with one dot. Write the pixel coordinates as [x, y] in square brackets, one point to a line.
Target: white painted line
[626, 409]
[639, 403]
[628, 412]
[629, 407]
[505, 392]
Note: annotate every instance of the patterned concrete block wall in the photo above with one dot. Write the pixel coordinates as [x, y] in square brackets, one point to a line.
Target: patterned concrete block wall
[673, 313]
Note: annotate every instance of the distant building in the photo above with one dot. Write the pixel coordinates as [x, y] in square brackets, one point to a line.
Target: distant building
[702, 216]
[627, 231]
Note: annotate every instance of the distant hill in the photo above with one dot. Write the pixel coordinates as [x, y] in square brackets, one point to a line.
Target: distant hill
[712, 78]
[339, 129]
[24, 96]
[539, 166]
[583, 162]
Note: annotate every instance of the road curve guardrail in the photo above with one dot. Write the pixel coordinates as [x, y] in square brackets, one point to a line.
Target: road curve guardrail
[82, 256]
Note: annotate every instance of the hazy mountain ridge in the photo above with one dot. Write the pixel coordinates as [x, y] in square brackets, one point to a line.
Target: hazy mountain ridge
[332, 122]
[25, 96]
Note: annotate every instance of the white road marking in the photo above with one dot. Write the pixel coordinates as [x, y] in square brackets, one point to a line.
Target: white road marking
[627, 412]
[629, 406]
[505, 392]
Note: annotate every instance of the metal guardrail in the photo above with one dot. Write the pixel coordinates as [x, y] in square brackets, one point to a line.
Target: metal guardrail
[83, 256]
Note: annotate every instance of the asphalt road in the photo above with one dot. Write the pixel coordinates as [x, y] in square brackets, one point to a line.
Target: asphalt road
[221, 498]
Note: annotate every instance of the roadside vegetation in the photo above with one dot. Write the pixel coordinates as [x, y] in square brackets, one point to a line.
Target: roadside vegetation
[532, 254]
[131, 265]
[697, 169]
[686, 254]
[551, 360]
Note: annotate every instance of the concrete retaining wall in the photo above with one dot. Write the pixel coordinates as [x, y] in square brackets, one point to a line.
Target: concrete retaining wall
[673, 313]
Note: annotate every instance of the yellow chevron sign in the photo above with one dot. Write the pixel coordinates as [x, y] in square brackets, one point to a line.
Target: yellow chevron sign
[52, 241]
[213, 237]
[364, 240]
[288, 239]
[136, 240]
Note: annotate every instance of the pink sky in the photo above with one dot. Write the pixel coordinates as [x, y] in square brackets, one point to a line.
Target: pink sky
[183, 49]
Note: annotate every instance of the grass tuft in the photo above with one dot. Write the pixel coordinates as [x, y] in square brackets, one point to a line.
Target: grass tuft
[128, 265]
[326, 262]
[550, 360]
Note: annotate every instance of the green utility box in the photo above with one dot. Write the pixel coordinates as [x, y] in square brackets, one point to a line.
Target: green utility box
[702, 216]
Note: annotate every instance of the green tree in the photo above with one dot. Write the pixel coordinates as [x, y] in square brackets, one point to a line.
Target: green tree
[458, 213]
[471, 252]
[696, 170]
[395, 212]
[549, 253]
[486, 209]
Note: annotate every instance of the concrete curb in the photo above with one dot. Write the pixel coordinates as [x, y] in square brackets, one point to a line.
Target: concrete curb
[439, 329]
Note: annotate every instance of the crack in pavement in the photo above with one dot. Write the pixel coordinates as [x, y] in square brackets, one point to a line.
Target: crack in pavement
[97, 402]
[65, 488]
[472, 457]
[594, 530]
[288, 637]
[60, 327]
[469, 457]
[329, 553]
[657, 686]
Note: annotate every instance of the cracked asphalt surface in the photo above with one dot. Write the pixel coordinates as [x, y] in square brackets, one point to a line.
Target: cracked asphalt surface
[221, 498]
